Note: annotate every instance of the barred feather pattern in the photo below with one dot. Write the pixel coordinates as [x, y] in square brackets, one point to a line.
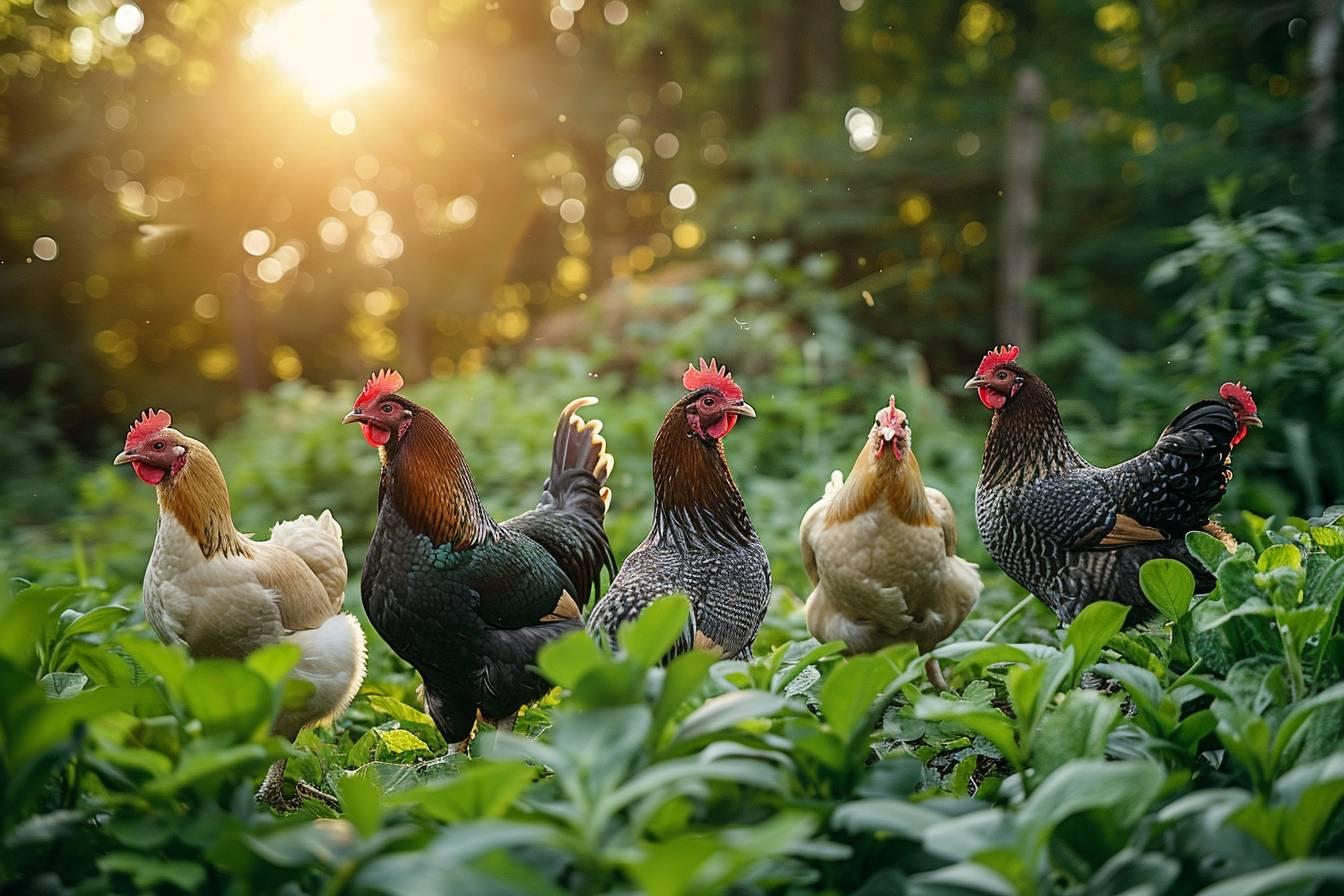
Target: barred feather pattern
[702, 545]
[1045, 514]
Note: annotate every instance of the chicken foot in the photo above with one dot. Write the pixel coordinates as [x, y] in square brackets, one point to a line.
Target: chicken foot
[272, 792]
[935, 674]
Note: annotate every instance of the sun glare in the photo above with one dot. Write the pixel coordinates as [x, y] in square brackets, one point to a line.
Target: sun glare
[328, 47]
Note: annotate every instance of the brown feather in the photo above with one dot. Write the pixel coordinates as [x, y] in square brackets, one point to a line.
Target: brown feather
[874, 478]
[1128, 530]
[566, 608]
[427, 479]
[704, 642]
[1222, 535]
[198, 498]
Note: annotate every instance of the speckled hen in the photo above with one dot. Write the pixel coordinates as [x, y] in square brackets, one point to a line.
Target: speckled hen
[702, 544]
[1072, 533]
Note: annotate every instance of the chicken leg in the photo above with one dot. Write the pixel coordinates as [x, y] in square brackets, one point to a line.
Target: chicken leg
[272, 792]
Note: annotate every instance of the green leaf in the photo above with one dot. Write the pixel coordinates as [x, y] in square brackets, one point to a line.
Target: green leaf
[1077, 729]
[482, 790]
[991, 724]
[807, 660]
[1297, 717]
[647, 639]
[1123, 789]
[147, 872]
[566, 660]
[399, 740]
[1279, 555]
[899, 818]
[849, 690]
[274, 661]
[961, 879]
[361, 803]
[229, 698]
[96, 620]
[729, 710]
[682, 678]
[1095, 626]
[1296, 876]
[1207, 550]
[63, 684]
[1169, 585]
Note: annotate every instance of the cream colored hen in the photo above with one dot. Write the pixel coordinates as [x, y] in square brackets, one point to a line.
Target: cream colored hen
[222, 594]
[880, 549]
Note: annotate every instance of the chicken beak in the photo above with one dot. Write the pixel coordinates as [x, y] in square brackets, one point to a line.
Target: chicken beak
[976, 382]
[353, 417]
[124, 457]
[1252, 420]
[887, 433]
[742, 410]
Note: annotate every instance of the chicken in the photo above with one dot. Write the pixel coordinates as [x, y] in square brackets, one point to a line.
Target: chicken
[222, 594]
[465, 600]
[881, 551]
[702, 544]
[1071, 533]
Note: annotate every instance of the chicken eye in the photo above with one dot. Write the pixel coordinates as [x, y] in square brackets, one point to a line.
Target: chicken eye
[1003, 374]
[158, 446]
[387, 408]
[707, 401]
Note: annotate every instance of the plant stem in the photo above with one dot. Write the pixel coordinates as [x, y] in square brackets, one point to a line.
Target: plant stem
[1008, 617]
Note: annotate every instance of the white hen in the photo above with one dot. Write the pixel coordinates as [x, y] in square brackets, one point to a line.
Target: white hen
[880, 550]
[222, 594]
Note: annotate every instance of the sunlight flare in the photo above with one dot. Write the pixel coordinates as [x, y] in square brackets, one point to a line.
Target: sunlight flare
[328, 47]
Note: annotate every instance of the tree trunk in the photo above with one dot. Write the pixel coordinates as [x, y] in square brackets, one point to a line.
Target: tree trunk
[1322, 56]
[779, 80]
[827, 46]
[1019, 252]
[1150, 53]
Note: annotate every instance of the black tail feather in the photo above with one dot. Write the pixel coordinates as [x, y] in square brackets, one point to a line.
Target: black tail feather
[568, 520]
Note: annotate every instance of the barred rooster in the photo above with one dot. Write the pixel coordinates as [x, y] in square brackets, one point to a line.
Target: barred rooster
[465, 600]
[222, 594]
[702, 544]
[1072, 533]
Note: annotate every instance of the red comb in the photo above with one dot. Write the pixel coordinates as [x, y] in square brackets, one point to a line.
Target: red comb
[1001, 354]
[711, 374]
[1240, 394]
[889, 412]
[384, 382]
[150, 422]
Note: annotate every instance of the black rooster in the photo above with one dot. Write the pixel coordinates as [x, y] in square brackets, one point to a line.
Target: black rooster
[465, 600]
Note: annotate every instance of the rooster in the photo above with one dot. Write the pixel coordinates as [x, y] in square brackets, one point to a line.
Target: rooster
[881, 551]
[1072, 533]
[465, 600]
[221, 594]
[702, 544]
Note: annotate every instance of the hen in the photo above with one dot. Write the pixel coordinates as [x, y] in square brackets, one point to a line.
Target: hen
[465, 600]
[1072, 533]
[221, 594]
[702, 544]
[881, 551]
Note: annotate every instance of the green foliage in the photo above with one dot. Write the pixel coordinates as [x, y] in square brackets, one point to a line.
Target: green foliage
[792, 773]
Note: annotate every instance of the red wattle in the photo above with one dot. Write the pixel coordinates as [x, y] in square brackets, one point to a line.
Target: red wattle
[722, 426]
[375, 435]
[991, 399]
[148, 472]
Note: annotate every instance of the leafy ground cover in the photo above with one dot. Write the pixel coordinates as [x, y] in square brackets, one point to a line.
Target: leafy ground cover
[1200, 755]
